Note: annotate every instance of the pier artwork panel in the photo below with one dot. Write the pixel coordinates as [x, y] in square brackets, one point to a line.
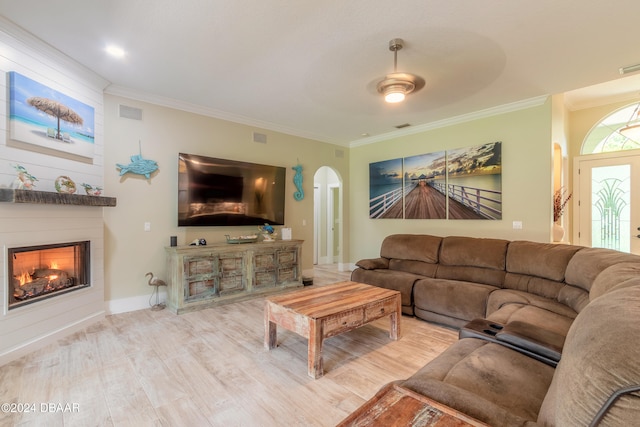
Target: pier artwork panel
[422, 200]
[385, 189]
[464, 183]
[474, 181]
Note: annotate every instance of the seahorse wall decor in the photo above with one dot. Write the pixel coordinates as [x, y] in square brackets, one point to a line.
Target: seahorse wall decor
[297, 180]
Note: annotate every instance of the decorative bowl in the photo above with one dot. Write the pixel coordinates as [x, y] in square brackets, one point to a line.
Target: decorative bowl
[242, 239]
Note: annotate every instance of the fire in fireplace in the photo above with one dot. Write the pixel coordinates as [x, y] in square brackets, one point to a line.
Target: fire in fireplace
[40, 272]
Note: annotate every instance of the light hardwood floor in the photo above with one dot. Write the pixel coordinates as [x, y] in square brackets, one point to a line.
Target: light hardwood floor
[209, 368]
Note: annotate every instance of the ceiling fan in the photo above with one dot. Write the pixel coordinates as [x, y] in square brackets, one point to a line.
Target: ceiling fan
[396, 86]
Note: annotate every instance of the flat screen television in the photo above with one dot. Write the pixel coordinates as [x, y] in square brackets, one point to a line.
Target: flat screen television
[219, 192]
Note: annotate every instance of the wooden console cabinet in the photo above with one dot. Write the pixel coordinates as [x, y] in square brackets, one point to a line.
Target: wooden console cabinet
[206, 276]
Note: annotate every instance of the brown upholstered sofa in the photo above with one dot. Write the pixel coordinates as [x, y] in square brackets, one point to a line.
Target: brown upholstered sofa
[548, 333]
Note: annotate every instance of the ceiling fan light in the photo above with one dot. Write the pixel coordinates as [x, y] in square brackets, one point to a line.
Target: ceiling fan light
[394, 93]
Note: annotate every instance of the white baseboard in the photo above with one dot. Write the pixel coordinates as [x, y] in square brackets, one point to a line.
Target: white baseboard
[347, 266]
[37, 343]
[139, 302]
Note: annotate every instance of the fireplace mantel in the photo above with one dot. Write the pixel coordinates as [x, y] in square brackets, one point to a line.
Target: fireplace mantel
[9, 195]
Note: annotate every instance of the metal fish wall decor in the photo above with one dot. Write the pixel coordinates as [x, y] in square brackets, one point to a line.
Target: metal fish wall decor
[139, 166]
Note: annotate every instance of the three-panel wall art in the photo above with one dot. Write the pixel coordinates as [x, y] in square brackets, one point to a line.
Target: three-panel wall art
[464, 183]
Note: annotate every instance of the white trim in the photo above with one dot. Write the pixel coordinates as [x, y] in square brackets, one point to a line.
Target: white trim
[235, 118]
[317, 203]
[212, 112]
[573, 105]
[488, 112]
[139, 302]
[346, 266]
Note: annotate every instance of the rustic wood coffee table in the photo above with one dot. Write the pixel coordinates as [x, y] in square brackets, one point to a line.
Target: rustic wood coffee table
[324, 311]
[395, 405]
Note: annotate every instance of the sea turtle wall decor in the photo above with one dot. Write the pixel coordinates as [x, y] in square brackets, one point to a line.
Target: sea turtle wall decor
[139, 166]
[24, 180]
[297, 180]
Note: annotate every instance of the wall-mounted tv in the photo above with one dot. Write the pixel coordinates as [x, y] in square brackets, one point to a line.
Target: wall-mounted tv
[219, 192]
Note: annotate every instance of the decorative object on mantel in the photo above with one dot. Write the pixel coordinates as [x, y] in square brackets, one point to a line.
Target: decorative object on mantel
[91, 190]
[560, 201]
[268, 233]
[154, 281]
[198, 242]
[139, 165]
[297, 180]
[24, 180]
[65, 185]
[252, 238]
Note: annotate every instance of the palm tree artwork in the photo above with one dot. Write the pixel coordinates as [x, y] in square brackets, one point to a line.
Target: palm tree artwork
[57, 110]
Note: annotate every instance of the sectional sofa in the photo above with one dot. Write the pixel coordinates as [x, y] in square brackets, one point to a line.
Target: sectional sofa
[549, 334]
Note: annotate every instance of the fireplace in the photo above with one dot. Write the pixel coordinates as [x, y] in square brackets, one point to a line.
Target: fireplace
[46, 271]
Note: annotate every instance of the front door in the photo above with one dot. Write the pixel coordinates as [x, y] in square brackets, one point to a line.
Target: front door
[606, 211]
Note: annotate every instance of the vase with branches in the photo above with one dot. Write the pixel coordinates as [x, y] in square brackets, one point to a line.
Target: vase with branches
[560, 200]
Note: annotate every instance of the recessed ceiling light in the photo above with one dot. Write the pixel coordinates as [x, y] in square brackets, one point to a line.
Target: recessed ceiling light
[115, 51]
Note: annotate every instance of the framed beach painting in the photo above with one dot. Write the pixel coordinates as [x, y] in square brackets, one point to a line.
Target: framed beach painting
[43, 117]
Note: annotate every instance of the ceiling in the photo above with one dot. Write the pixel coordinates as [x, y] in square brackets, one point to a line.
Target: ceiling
[310, 68]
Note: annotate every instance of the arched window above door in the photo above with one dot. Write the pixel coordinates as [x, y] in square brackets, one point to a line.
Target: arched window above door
[618, 131]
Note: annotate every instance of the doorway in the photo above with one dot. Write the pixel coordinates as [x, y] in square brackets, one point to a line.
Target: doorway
[606, 214]
[327, 216]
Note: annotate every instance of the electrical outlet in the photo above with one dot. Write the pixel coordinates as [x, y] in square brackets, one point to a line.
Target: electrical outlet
[517, 225]
[147, 226]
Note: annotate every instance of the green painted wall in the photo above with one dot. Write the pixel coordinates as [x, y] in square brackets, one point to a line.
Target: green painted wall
[526, 179]
[131, 252]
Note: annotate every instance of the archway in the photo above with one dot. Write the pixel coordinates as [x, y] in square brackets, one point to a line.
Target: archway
[605, 180]
[618, 131]
[327, 208]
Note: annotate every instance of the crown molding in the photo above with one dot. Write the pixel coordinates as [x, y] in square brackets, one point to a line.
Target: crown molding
[214, 113]
[577, 105]
[481, 114]
[235, 118]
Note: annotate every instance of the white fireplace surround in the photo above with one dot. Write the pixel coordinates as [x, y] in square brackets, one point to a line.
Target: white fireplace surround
[32, 326]
[35, 222]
